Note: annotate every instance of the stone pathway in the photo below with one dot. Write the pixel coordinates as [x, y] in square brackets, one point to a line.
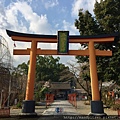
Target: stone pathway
[61, 107]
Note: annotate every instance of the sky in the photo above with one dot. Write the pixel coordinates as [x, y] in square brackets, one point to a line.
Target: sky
[40, 17]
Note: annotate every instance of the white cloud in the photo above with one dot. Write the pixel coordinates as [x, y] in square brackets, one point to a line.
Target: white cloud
[82, 4]
[11, 18]
[70, 27]
[63, 9]
[19, 16]
[37, 24]
[56, 26]
[42, 25]
[50, 3]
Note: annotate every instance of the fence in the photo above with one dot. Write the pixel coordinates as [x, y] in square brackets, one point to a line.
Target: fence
[118, 102]
[49, 99]
[72, 99]
[5, 112]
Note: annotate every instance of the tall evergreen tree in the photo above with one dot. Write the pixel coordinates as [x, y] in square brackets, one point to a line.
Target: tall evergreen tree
[105, 21]
[49, 68]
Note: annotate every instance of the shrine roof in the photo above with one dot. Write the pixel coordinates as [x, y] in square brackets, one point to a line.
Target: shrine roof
[60, 85]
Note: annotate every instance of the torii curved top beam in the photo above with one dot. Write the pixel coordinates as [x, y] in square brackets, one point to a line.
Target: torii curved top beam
[25, 37]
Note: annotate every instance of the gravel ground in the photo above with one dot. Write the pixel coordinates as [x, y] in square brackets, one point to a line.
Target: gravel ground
[85, 109]
[38, 109]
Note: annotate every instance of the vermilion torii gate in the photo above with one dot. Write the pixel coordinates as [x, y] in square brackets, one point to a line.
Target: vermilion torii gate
[29, 103]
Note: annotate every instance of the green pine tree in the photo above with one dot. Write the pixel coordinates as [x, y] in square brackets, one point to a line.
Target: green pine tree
[106, 20]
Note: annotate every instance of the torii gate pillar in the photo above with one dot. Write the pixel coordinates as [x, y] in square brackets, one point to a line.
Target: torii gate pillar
[96, 104]
[29, 103]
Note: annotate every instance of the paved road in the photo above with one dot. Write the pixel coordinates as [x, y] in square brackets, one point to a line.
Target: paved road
[60, 107]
